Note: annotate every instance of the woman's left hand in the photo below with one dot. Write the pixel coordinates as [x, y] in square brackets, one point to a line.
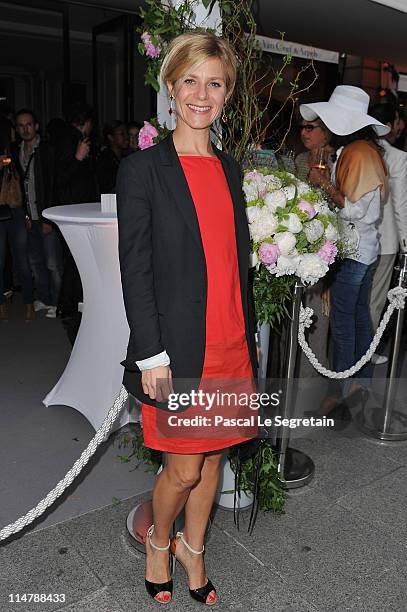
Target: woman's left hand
[318, 176]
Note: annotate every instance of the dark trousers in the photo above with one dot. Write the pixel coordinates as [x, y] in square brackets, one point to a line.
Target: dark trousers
[71, 289]
[46, 261]
[15, 232]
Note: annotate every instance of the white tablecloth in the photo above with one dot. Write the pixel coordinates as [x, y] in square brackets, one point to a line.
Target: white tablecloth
[93, 375]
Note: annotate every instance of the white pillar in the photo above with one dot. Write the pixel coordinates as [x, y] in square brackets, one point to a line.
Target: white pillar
[202, 19]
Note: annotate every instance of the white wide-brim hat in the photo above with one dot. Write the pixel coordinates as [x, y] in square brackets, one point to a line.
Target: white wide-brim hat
[345, 112]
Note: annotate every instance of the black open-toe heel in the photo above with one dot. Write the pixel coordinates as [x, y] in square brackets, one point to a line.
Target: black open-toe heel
[155, 588]
[201, 593]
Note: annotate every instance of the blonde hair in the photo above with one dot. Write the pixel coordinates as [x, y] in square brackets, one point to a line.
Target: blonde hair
[193, 48]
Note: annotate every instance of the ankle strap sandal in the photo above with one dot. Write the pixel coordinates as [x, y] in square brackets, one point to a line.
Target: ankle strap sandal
[155, 588]
[200, 594]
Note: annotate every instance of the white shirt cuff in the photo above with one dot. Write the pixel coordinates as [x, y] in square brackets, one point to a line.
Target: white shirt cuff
[161, 359]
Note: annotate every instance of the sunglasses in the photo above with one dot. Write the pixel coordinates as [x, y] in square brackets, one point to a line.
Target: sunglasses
[308, 127]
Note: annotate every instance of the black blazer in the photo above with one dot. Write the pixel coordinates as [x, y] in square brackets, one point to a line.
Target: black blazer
[163, 265]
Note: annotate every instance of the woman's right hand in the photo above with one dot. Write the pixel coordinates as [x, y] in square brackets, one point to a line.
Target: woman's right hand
[157, 383]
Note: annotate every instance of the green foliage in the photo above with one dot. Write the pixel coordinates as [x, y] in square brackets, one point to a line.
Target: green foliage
[272, 491]
[272, 296]
[151, 458]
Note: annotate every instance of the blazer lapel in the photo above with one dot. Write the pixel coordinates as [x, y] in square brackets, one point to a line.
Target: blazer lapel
[178, 186]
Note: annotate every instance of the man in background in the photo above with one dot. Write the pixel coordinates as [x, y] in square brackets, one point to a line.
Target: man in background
[75, 184]
[35, 162]
[393, 222]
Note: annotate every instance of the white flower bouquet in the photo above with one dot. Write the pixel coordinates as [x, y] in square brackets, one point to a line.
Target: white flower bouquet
[293, 230]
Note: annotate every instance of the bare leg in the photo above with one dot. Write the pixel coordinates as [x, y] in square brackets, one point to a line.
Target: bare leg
[171, 491]
[197, 510]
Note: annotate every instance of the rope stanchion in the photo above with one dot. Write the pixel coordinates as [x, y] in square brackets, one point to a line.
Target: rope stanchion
[77, 467]
[396, 296]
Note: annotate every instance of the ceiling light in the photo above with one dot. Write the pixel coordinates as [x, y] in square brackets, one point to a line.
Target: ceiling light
[399, 5]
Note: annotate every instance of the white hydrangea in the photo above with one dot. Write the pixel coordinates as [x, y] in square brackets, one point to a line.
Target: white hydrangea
[286, 242]
[272, 182]
[286, 265]
[322, 207]
[331, 233]
[250, 191]
[289, 191]
[252, 213]
[313, 229]
[293, 223]
[302, 188]
[311, 268]
[263, 226]
[275, 199]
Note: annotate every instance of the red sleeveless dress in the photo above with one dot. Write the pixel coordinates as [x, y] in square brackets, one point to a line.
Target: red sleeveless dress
[226, 352]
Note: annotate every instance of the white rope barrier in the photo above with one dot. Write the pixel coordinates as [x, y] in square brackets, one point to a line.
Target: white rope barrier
[90, 450]
[396, 297]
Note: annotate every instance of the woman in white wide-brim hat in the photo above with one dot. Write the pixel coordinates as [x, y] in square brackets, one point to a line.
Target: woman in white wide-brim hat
[356, 184]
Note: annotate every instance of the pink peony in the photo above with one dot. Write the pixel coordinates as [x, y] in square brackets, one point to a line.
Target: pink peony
[328, 252]
[269, 253]
[146, 136]
[308, 208]
[151, 51]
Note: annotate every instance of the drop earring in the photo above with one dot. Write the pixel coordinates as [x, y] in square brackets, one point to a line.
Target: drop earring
[171, 109]
[224, 116]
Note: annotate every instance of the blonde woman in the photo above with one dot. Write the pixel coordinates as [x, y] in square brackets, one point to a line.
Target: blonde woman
[184, 254]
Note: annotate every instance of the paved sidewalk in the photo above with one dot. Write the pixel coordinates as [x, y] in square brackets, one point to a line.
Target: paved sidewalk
[341, 545]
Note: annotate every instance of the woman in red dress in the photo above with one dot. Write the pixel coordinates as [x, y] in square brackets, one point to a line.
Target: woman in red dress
[184, 255]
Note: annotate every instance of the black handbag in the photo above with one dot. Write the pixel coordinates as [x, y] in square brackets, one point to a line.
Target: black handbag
[5, 212]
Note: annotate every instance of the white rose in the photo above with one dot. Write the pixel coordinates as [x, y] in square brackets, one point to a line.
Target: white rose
[285, 242]
[286, 265]
[313, 229]
[252, 213]
[302, 188]
[275, 199]
[331, 233]
[272, 182]
[293, 223]
[250, 190]
[264, 225]
[289, 191]
[311, 268]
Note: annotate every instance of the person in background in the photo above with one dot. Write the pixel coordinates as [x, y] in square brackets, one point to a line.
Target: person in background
[35, 162]
[315, 137]
[75, 184]
[393, 219]
[13, 230]
[116, 140]
[133, 129]
[357, 184]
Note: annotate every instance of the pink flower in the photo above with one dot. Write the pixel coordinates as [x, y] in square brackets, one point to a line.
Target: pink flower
[328, 252]
[307, 208]
[269, 253]
[146, 136]
[151, 51]
[254, 176]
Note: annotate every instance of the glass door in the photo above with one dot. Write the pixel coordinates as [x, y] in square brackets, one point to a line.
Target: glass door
[118, 72]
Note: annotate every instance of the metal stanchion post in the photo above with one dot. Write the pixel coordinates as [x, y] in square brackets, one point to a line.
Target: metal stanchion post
[296, 467]
[394, 425]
